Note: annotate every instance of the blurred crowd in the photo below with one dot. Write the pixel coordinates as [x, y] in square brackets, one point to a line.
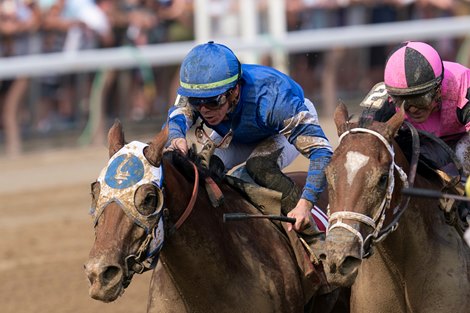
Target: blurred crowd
[60, 101]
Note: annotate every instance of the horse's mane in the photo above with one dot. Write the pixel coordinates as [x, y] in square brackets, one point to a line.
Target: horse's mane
[184, 165]
[425, 166]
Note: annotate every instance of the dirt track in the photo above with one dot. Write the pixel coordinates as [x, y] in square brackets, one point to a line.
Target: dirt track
[46, 234]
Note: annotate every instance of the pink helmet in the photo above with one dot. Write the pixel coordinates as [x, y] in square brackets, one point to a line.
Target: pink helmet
[413, 68]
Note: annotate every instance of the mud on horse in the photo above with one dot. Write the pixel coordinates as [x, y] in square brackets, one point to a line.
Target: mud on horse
[148, 210]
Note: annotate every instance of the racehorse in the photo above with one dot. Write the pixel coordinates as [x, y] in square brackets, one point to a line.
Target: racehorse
[420, 264]
[148, 210]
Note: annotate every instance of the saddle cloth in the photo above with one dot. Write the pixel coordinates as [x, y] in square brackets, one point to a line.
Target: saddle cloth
[268, 202]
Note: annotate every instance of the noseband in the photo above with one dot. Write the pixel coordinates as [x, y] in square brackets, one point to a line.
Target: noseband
[377, 220]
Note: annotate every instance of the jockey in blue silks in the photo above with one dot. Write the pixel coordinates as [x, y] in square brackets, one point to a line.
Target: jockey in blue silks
[267, 116]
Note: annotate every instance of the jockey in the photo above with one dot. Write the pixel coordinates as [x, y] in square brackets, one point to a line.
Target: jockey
[435, 95]
[267, 116]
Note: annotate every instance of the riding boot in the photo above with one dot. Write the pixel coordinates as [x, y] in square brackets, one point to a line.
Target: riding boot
[217, 167]
[267, 173]
[290, 198]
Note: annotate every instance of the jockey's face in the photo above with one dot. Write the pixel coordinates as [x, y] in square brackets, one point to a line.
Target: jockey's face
[419, 115]
[418, 107]
[214, 110]
[214, 116]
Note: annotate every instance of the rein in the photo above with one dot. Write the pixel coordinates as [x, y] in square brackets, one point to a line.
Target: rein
[376, 222]
[192, 201]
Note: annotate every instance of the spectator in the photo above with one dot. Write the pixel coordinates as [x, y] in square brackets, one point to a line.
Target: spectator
[69, 26]
[18, 20]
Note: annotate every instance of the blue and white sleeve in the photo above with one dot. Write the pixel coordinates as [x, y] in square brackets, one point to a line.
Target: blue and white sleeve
[303, 130]
[180, 118]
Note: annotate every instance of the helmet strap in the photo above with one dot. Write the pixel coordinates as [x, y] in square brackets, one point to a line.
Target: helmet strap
[438, 96]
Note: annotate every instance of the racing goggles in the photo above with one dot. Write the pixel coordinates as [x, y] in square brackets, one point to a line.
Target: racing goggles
[420, 101]
[212, 103]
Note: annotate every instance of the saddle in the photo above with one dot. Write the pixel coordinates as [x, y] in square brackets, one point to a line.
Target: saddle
[268, 202]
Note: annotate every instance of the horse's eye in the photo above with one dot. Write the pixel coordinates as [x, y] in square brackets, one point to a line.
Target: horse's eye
[146, 199]
[383, 180]
[150, 200]
[95, 193]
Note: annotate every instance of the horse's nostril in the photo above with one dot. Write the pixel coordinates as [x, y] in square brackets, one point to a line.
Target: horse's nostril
[92, 279]
[110, 273]
[350, 264]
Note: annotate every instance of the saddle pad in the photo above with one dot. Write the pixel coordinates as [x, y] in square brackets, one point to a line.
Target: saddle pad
[320, 218]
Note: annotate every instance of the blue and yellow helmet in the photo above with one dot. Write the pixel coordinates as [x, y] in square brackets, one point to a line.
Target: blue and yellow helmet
[208, 70]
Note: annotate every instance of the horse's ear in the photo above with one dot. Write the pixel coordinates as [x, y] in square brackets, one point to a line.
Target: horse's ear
[154, 152]
[341, 118]
[395, 122]
[115, 138]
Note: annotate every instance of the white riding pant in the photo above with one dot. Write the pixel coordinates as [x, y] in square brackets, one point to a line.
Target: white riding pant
[237, 153]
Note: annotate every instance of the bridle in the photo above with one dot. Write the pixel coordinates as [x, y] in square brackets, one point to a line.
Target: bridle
[126, 171]
[376, 222]
[141, 262]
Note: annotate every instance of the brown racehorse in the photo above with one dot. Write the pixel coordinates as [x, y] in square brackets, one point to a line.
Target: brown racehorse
[145, 198]
[422, 266]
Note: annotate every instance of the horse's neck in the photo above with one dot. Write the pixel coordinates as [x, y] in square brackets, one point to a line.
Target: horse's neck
[205, 254]
[195, 244]
[422, 225]
[422, 239]
[423, 259]
[200, 239]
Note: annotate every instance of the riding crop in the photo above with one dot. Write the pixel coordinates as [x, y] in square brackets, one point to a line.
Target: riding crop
[229, 217]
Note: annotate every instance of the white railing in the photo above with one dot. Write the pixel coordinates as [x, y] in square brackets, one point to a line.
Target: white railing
[173, 53]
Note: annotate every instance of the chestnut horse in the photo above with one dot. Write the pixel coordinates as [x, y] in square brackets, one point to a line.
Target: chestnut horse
[148, 211]
[423, 265]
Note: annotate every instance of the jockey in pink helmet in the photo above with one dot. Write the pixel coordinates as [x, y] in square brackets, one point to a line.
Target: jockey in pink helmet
[435, 94]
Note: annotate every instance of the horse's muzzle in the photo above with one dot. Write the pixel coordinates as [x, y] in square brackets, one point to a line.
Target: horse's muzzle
[343, 258]
[105, 280]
